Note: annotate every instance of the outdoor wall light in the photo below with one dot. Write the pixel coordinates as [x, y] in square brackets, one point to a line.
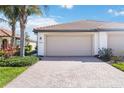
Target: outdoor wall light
[40, 38]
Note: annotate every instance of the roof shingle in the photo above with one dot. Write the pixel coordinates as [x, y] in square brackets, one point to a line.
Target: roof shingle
[6, 33]
[81, 25]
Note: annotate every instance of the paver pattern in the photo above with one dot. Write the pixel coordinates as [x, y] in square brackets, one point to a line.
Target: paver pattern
[69, 74]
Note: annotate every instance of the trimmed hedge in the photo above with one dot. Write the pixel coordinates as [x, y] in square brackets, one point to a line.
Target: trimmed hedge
[18, 61]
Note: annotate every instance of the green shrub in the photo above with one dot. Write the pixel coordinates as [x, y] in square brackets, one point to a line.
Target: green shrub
[105, 54]
[1, 53]
[28, 48]
[116, 59]
[30, 53]
[19, 61]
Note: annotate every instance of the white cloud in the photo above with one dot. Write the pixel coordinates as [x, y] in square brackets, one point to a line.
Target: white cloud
[115, 12]
[41, 21]
[110, 10]
[52, 16]
[34, 22]
[67, 6]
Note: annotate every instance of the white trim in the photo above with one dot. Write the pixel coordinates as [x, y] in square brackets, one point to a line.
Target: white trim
[96, 43]
[40, 43]
[102, 40]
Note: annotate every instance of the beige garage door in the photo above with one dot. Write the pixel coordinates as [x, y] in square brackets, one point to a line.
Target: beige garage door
[68, 45]
[116, 42]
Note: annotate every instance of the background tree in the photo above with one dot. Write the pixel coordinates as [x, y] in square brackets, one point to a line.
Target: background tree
[24, 12]
[11, 14]
[21, 14]
[27, 38]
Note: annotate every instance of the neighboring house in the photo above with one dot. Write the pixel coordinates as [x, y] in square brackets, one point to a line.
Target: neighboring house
[6, 36]
[81, 38]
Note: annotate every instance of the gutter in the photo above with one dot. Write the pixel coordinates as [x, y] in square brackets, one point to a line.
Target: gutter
[65, 30]
[83, 30]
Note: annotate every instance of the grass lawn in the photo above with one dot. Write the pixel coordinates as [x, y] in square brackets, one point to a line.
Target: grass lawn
[119, 65]
[9, 73]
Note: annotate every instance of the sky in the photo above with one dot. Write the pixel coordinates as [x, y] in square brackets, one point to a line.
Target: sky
[58, 14]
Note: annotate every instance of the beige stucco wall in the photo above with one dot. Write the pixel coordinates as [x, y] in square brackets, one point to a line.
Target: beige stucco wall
[8, 39]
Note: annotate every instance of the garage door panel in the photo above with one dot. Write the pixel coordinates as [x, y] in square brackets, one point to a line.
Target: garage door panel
[68, 45]
[116, 43]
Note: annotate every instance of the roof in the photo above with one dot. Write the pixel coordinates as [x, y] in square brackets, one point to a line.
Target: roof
[83, 25]
[6, 33]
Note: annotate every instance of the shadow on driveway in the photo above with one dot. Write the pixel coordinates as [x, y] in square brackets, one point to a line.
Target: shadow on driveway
[68, 58]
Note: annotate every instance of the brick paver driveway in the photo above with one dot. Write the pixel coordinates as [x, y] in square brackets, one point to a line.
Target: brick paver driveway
[66, 74]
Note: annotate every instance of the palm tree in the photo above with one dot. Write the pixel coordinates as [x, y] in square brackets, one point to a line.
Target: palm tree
[24, 12]
[2, 20]
[21, 14]
[11, 13]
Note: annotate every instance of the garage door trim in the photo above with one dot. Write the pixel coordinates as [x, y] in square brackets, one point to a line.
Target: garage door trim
[91, 41]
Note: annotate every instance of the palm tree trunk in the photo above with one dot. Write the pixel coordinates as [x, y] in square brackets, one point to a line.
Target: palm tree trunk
[22, 20]
[22, 40]
[13, 36]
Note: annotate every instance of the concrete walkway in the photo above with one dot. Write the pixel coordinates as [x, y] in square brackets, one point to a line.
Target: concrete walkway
[69, 74]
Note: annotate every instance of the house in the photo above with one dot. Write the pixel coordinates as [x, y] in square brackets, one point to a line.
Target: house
[5, 39]
[80, 38]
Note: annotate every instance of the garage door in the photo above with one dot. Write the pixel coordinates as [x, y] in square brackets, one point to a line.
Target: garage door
[68, 45]
[116, 42]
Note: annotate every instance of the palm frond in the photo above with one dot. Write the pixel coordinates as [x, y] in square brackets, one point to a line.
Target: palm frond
[34, 10]
[10, 12]
[3, 20]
